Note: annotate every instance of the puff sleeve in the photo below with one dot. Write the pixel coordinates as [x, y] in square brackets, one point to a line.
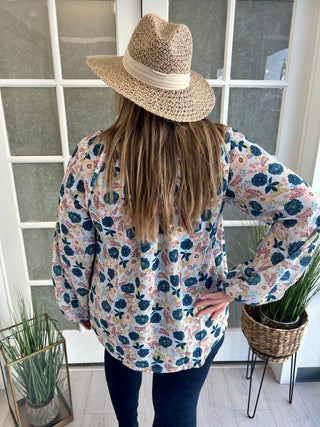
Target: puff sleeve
[74, 244]
[264, 188]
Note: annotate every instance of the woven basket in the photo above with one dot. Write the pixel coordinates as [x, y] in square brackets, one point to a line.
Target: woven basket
[277, 344]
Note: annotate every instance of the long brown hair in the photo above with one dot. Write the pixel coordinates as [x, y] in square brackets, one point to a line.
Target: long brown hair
[166, 168]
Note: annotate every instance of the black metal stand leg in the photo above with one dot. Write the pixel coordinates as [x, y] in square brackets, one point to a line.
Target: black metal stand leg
[253, 362]
[248, 363]
[292, 375]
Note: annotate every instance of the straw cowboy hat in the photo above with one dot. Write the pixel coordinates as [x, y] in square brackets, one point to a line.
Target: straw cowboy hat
[155, 72]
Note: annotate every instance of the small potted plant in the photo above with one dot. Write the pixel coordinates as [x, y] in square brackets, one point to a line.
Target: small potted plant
[286, 312]
[33, 352]
[275, 329]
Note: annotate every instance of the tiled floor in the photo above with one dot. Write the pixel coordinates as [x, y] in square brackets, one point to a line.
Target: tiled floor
[223, 401]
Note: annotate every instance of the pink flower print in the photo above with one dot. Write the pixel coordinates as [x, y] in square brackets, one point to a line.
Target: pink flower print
[265, 199]
[88, 166]
[268, 242]
[180, 231]
[240, 162]
[195, 257]
[225, 170]
[98, 191]
[150, 290]
[61, 211]
[309, 195]
[132, 263]
[263, 288]
[77, 242]
[231, 291]
[128, 319]
[169, 360]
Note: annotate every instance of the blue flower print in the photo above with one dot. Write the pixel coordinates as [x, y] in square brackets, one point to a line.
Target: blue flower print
[109, 347]
[123, 339]
[186, 244]
[142, 364]
[133, 336]
[289, 223]
[293, 207]
[155, 318]
[163, 286]
[276, 258]
[294, 179]
[111, 200]
[90, 249]
[120, 303]
[106, 306]
[177, 314]
[113, 252]
[144, 304]
[130, 233]
[286, 275]
[275, 168]
[143, 352]
[145, 247]
[57, 270]
[174, 279]
[157, 369]
[187, 300]
[64, 229]
[70, 180]
[259, 179]
[165, 342]
[305, 261]
[253, 278]
[75, 218]
[191, 281]
[80, 186]
[128, 288]
[182, 361]
[255, 150]
[197, 352]
[144, 263]
[82, 291]
[142, 319]
[104, 323]
[256, 208]
[206, 215]
[201, 334]
[218, 259]
[173, 255]
[178, 335]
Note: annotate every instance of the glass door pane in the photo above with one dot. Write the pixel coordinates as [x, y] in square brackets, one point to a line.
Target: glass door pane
[259, 42]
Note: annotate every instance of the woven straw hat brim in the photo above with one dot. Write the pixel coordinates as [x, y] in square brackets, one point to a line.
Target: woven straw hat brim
[187, 105]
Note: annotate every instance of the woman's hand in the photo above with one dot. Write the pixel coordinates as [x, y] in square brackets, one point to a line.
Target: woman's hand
[213, 303]
[86, 324]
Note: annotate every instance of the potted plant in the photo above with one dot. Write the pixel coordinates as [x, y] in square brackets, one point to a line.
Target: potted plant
[261, 324]
[33, 351]
[287, 312]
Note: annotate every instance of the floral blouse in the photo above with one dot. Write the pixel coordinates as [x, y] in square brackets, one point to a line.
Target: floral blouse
[140, 297]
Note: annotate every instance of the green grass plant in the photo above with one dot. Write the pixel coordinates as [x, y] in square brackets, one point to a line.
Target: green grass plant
[296, 299]
[36, 376]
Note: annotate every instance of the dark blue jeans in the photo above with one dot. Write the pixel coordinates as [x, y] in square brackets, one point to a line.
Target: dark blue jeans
[175, 395]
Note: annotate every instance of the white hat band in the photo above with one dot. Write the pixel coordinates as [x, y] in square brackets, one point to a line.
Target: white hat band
[151, 77]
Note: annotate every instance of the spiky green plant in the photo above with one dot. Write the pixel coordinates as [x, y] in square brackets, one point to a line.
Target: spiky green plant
[296, 299]
[35, 377]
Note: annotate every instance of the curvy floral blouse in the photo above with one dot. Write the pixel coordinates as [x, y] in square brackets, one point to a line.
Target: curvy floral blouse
[140, 297]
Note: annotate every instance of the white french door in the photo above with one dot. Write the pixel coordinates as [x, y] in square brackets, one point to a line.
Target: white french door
[255, 54]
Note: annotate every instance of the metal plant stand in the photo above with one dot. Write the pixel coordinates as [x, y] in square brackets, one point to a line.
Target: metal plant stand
[251, 362]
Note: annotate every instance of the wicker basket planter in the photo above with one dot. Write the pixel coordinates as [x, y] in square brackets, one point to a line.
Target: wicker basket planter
[268, 342]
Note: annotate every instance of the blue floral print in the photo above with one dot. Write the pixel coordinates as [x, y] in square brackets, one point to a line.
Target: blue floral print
[140, 297]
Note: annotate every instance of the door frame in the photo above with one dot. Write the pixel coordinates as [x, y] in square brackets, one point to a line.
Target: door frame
[298, 122]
